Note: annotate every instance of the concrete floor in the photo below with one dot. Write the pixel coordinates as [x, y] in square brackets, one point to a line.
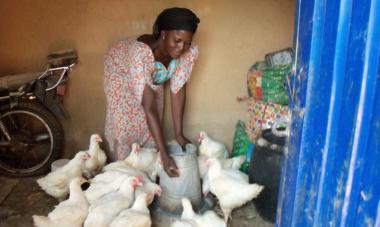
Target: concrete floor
[21, 198]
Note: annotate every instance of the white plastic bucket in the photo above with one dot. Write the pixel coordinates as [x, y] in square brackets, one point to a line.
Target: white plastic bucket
[186, 185]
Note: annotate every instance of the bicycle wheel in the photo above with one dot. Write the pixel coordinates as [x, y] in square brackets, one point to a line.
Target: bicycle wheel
[36, 140]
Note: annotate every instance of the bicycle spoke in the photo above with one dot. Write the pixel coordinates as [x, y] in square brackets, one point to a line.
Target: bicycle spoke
[30, 147]
[4, 143]
[12, 122]
[34, 156]
[18, 162]
[24, 126]
[41, 138]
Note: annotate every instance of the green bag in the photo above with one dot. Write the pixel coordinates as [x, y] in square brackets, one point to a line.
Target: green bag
[242, 145]
[280, 97]
[273, 84]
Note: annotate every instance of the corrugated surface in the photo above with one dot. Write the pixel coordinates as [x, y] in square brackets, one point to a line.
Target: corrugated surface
[331, 174]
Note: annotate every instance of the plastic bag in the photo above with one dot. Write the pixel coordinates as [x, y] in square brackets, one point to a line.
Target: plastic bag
[254, 80]
[280, 57]
[267, 83]
[242, 145]
[262, 115]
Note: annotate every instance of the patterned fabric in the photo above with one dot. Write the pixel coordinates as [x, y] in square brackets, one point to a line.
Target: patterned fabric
[267, 83]
[128, 66]
[161, 74]
[262, 115]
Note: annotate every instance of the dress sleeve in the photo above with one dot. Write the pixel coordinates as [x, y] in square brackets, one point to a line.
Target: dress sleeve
[114, 70]
[128, 67]
[184, 69]
[141, 69]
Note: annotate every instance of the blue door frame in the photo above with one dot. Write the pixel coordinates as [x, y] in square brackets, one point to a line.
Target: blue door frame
[331, 171]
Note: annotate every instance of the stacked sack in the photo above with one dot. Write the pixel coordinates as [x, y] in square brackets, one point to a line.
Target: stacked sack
[267, 102]
[267, 83]
[264, 115]
[268, 95]
[267, 127]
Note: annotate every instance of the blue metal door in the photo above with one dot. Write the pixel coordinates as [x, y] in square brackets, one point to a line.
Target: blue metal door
[331, 172]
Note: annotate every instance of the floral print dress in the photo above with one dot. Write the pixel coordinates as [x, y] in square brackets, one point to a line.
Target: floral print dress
[128, 66]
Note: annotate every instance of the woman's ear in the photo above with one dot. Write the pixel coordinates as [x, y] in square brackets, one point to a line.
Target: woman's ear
[163, 35]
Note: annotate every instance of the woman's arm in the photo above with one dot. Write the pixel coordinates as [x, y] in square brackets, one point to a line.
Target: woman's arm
[150, 108]
[178, 101]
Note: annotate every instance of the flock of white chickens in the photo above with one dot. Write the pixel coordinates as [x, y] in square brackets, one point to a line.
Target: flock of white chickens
[120, 192]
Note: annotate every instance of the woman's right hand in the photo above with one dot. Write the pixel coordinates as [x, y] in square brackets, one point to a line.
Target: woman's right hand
[169, 165]
[182, 141]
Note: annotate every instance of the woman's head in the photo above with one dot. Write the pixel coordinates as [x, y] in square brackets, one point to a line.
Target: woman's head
[175, 19]
[175, 28]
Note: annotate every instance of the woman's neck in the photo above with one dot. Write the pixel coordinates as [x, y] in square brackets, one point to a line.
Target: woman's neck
[162, 57]
[157, 47]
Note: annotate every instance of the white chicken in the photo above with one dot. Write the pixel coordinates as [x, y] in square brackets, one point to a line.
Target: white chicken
[144, 159]
[232, 163]
[136, 216]
[115, 165]
[100, 188]
[56, 183]
[106, 177]
[98, 158]
[121, 166]
[69, 213]
[227, 163]
[231, 172]
[237, 193]
[110, 181]
[209, 218]
[211, 147]
[149, 188]
[105, 209]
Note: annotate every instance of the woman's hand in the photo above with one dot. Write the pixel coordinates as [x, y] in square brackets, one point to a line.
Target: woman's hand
[169, 165]
[182, 141]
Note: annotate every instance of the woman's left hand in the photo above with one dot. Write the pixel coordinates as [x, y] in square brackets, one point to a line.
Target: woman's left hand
[182, 141]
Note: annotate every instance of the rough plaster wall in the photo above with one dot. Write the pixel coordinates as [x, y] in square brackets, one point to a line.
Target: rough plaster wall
[231, 37]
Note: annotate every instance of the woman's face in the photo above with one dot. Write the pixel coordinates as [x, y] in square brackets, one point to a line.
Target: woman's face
[177, 42]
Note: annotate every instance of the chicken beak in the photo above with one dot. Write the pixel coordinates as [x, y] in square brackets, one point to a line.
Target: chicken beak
[149, 198]
[83, 180]
[158, 192]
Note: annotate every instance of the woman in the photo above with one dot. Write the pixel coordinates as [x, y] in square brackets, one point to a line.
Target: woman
[135, 71]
